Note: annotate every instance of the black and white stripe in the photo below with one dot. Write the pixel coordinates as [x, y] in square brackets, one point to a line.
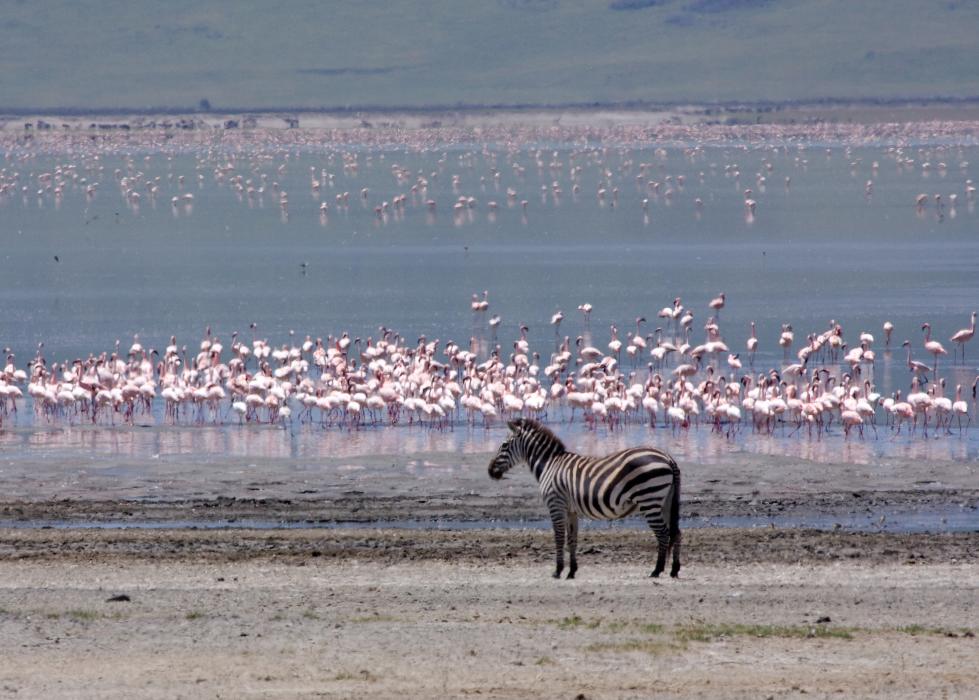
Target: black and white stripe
[601, 488]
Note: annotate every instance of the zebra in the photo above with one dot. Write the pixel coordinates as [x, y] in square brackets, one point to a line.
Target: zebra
[601, 488]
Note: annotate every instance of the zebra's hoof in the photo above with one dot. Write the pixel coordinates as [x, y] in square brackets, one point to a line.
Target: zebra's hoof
[655, 574]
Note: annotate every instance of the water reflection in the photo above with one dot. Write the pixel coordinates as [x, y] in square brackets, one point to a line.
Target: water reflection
[396, 445]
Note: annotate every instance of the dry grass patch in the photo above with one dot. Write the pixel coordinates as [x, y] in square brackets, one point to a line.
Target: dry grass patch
[376, 617]
[703, 632]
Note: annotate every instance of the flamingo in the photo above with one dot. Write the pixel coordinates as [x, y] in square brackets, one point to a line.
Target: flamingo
[638, 341]
[717, 303]
[587, 353]
[556, 321]
[888, 329]
[850, 420]
[903, 412]
[478, 304]
[785, 340]
[734, 362]
[963, 336]
[933, 346]
[959, 408]
[752, 345]
[615, 345]
[943, 407]
[915, 366]
[921, 402]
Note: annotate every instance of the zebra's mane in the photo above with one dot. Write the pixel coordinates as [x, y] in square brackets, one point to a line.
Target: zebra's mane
[542, 433]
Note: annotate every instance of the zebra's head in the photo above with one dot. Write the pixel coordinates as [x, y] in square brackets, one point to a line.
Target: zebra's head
[507, 456]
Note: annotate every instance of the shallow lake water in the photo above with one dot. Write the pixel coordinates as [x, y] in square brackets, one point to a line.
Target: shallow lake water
[816, 250]
[569, 226]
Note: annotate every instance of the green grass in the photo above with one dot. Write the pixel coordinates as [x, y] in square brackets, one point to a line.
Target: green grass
[706, 632]
[526, 52]
[921, 630]
[194, 615]
[618, 626]
[654, 647]
[362, 675]
[574, 621]
[374, 618]
[712, 632]
[83, 615]
[659, 639]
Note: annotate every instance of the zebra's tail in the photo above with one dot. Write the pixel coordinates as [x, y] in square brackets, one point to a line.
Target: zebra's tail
[675, 506]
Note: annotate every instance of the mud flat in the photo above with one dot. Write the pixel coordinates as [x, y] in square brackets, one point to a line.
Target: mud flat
[391, 613]
[894, 492]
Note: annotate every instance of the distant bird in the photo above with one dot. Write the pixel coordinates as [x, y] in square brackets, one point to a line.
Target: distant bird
[57, 260]
[752, 345]
[478, 304]
[717, 303]
[556, 321]
[933, 346]
[961, 337]
[785, 340]
[914, 365]
[960, 408]
[888, 329]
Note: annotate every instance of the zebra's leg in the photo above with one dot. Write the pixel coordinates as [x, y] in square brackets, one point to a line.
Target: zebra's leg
[654, 518]
[675, 545]
[572, 544]
[559, 516]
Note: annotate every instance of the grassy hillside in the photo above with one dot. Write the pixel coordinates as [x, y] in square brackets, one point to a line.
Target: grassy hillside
[352, 53]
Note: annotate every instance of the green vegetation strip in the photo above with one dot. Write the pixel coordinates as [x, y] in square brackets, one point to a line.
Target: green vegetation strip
[662, 640]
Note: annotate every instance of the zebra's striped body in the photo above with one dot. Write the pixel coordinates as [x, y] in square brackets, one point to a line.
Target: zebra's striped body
[601, 488]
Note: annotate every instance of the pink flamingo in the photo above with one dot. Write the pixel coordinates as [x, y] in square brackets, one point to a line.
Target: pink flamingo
[933, 346]
[752, 345]
[717, 303]
[960, 408]
[480, 305]
[556, 321]
[914, 365]
[964, 335]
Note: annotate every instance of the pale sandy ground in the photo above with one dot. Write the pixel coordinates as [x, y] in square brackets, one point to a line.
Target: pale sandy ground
[375, 613]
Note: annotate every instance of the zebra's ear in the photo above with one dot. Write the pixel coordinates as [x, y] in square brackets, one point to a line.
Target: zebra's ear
[513, 425]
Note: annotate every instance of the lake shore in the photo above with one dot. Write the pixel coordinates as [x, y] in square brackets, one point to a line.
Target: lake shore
[596, 116]
[382, 613]
[859, 509]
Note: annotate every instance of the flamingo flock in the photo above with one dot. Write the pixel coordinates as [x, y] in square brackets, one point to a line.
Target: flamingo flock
[491, 174]
[660, 378]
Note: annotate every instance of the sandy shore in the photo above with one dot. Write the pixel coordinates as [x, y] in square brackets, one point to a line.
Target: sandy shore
[382, 613]
[475, 116]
